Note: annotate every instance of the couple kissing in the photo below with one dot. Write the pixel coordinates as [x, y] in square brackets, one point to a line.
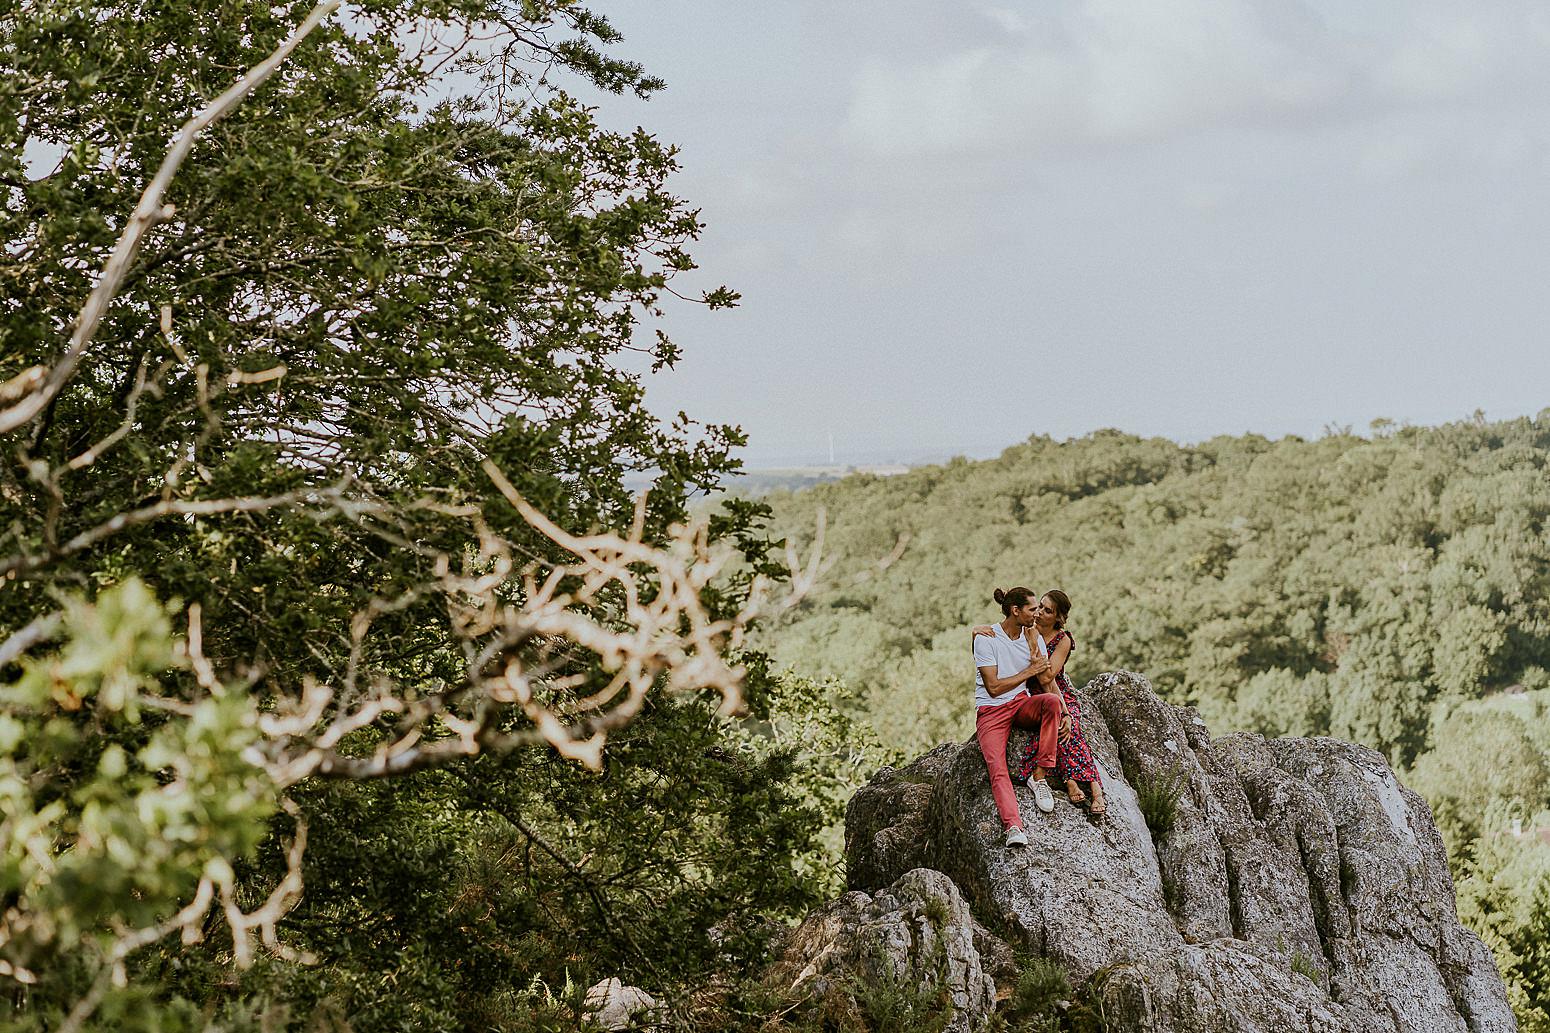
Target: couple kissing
[1020, 680]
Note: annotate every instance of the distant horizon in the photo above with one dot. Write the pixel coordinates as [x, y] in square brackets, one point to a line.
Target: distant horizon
[757, 457]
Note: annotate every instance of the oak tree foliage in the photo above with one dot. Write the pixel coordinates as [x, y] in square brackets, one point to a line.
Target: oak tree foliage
[392, 305]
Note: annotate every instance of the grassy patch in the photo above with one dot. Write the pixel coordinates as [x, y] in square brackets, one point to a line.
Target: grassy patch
[1158, 797]
[892, 1005]
[879, 1001]
[1043, 993]
[845, 1004]
[1305, 966]
[1044, 1001]
[537, 1009]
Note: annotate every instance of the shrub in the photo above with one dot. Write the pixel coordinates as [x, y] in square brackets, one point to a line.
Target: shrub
[1044, 1001]
[1041, 994]
[897, 1005]
[1158, 796]
[937, 912]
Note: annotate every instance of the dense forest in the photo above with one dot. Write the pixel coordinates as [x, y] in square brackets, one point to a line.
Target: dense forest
[1388, 589]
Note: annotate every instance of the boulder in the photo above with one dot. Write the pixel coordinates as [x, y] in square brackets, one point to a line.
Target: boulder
[1237, 884]
[613, 1005]
[886, 820]
[917, 933]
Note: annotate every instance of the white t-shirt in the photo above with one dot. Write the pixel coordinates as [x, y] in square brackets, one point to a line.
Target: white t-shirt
[1007, 656]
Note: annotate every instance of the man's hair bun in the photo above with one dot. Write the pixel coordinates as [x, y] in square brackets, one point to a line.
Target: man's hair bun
[1012, 597]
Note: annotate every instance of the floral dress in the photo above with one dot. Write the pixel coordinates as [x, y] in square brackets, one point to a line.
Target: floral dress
[1074, 761]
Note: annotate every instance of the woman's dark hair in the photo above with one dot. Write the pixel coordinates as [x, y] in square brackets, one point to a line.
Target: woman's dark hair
[1062, 605]
[1013, 598]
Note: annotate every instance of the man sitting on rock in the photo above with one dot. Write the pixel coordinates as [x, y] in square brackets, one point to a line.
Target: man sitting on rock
[1005, 661]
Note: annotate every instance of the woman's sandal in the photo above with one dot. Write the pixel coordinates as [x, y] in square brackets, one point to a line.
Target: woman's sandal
[1077, 797]
[1098, 808]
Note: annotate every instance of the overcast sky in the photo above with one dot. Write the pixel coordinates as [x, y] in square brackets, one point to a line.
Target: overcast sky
[954, 225]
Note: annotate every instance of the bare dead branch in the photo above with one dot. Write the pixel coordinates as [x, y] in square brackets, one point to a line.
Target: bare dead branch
[22, 384]
[524, 634]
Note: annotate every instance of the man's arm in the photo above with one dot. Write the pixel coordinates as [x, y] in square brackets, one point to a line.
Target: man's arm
[985, 662]
[1001, 686]
[1045, 675]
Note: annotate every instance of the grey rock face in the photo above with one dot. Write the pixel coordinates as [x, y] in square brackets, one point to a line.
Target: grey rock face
[615, 1006]
[1218, 987]
[1299, 885]
[917, 932]
[886, 820]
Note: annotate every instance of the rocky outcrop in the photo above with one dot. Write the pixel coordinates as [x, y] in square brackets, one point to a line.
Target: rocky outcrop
[886, 820]
[1237, 884]
[917, 933]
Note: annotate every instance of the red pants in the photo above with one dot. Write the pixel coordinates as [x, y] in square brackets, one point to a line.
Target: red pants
[992, 727]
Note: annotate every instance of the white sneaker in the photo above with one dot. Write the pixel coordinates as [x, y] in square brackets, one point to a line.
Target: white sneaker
[1042, 796]
[1016, 837]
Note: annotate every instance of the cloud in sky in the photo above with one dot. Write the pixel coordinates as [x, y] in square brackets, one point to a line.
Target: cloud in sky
[1047, 75]
[1209, 215]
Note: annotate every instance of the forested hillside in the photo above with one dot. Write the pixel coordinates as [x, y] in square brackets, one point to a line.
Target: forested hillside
[1390, 590]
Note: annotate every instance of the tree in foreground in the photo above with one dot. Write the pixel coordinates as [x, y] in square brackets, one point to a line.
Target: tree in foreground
[321, 587]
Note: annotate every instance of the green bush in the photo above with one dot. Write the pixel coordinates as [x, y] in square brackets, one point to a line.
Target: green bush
[901, 1005]
[1158, 795]
[1044, 1001]
[123, 790]
[1039, 1000]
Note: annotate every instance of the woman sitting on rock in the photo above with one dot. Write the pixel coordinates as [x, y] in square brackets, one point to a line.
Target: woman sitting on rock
[1009, 659]
[1076, 765]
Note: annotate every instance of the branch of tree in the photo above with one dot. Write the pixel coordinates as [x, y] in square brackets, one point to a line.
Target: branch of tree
[39, 630]
[149, 212]
[23, 564]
